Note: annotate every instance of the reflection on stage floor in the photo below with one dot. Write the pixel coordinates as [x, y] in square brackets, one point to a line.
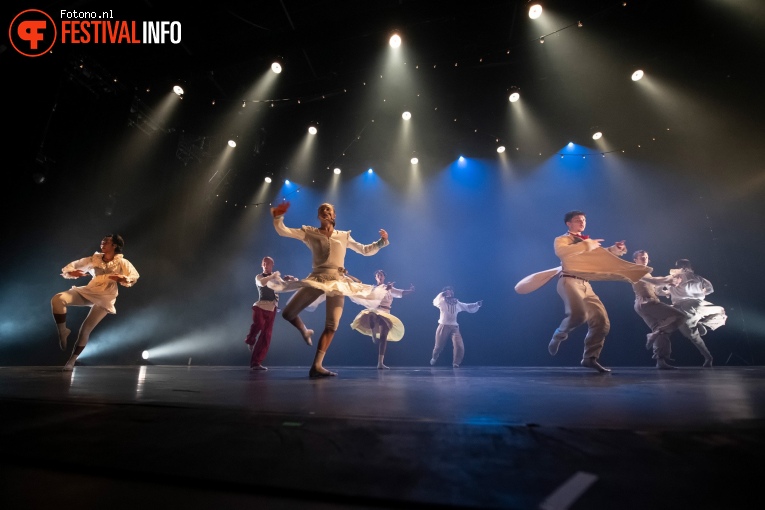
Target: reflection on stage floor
[483, 437]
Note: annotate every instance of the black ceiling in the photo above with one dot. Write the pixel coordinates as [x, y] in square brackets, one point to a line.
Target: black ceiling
[462, 57]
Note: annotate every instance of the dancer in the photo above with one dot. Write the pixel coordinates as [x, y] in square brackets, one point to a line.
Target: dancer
[660, 317]
[328, 279]
[447, 324]
[582, 260]
[107, 268]
[263, 315]
[378, 322]
[689, 296]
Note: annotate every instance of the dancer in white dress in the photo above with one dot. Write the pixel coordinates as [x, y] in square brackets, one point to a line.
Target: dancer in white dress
[660, 317]
[689, 296]
[378, 322]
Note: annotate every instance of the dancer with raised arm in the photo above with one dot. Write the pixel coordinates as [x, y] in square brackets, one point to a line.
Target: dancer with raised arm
[448, 327]
[328, 279]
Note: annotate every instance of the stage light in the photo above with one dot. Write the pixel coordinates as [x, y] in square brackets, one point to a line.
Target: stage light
[597, 135]
[231, 143]
[637, 75]
[287, 182]
[501, 149]
[406, 115]
[542, 40]
[178, 90]
[395, 41]
[244, 103]
[337, 171]
[276, 67]
[370, 171]
[535, 11]
[414, 161]
[268, 180]
[515, 94]
[145, 354]
[312, 130]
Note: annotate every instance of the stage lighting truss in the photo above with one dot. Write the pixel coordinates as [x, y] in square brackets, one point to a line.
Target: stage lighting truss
[143, 118]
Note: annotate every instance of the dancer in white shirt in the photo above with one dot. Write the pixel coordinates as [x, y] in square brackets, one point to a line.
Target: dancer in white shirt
[448, 326]
[660, 317]
[263, 314]
[107, 268]
[689, 296]
[328, 279]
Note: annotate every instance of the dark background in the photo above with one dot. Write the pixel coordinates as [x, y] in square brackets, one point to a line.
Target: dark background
[679, 171]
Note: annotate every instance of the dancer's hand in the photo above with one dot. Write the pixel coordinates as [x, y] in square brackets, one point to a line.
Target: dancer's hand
[620, 245]
[77, 273]
[280, 209]
[117, 278]
[383, 234]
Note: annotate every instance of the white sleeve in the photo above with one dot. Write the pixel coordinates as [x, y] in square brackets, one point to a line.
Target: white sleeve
[295, 233]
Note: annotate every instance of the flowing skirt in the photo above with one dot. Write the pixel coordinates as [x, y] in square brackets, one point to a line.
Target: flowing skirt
[701, 311]
[368, 296]
[362, 324]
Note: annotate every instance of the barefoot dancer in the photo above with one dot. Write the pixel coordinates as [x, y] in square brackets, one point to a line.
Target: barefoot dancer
[378, 322]
[328, 279]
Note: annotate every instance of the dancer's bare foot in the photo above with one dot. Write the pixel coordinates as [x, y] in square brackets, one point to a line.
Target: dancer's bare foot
[307, 336]
[320, 372]
[381, 366]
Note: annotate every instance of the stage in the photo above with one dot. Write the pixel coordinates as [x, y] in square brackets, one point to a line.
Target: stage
[482, 437]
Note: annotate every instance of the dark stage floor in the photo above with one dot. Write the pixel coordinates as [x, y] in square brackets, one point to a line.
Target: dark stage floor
[483, 437]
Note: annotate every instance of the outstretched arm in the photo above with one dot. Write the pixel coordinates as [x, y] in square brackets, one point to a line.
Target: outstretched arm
[619, 248]
[406, 292]
[369, 249]
[566, 247]
[471, 307]
[77, 268]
